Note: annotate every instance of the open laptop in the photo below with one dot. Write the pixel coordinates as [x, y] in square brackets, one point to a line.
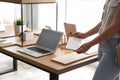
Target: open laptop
[46, 44]
[69, 29]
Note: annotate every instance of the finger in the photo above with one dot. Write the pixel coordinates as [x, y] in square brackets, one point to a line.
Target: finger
[74, 34]
[78, 50]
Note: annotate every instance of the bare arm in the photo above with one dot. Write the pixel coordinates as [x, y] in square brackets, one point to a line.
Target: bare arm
[94, 30]
[111, 30]
[89, 33]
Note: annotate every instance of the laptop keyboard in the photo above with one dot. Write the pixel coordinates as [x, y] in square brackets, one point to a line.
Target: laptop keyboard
[38, 50]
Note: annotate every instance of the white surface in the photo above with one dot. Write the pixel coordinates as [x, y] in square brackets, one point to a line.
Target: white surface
[69, 58]
[27, 35]
[5, 43]
[73, 43]
[2, 27]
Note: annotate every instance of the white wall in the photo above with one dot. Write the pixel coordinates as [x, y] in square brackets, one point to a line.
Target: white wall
[6, 13]
[84, 13]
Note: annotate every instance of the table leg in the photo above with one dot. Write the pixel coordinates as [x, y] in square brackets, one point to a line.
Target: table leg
[11, 70]
[14, 64]
[54, 76]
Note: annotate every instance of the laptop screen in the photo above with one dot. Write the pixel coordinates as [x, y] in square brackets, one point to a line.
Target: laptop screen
[49, 39]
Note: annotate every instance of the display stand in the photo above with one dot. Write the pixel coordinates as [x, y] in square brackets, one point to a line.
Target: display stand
[21, 2]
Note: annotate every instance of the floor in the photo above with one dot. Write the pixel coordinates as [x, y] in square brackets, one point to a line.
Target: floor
[27, 72]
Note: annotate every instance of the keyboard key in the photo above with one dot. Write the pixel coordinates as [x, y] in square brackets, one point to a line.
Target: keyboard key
[38, 49]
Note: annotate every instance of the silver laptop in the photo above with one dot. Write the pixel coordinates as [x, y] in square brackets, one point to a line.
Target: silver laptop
[47, 43]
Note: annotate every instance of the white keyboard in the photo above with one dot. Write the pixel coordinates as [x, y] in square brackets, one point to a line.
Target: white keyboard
[69, 58]
[73, 43]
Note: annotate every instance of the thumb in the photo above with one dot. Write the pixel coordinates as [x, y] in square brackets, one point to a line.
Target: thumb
[79, 50]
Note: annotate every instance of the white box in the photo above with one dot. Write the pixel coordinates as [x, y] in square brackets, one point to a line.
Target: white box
[2, 27]
[28, 35]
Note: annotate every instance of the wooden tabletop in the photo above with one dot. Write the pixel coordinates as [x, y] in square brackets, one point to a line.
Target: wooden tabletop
[45, 62]
[29, 1]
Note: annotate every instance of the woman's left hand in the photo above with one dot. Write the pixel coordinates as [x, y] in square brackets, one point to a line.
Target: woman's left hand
[83, 48]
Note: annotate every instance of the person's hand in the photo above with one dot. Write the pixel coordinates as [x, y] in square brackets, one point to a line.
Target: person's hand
[79, 35]
[83, 48]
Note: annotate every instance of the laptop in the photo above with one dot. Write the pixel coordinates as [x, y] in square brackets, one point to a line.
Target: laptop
[69, 29]
[47, 43]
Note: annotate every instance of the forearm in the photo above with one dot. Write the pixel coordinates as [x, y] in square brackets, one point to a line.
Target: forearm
[111, 29]
[94, 30]
[109, 32]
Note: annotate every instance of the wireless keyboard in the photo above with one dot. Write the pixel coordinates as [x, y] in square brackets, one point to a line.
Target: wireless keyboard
[71, 57]
[73, 43]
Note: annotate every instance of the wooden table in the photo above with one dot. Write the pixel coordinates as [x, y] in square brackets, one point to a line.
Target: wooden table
[45, 63]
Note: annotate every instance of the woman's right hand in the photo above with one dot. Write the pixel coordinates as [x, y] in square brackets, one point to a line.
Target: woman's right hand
[79, 35]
